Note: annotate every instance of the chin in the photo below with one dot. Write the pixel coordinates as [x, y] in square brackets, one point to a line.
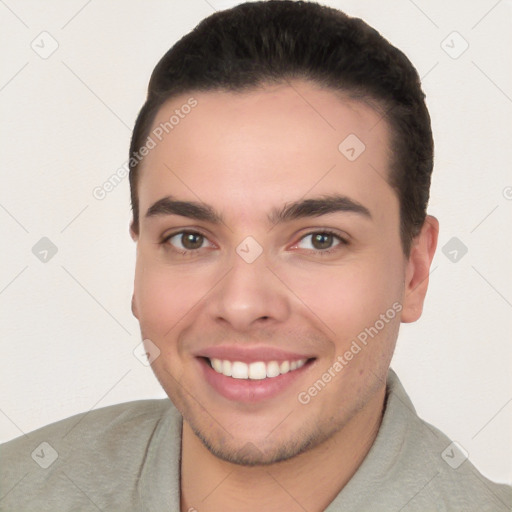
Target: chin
[263, 452]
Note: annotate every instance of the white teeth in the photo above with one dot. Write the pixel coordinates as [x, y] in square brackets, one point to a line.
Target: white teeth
[226, 368]
[273, 369]
[217, 365]
[239, 370]
[255, 371]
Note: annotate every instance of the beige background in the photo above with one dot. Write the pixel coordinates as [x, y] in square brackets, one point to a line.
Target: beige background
[67, 333]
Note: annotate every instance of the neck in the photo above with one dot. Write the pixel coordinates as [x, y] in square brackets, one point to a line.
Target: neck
[210, 484]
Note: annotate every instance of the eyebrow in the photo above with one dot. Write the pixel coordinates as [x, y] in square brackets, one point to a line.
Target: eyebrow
[292, 211]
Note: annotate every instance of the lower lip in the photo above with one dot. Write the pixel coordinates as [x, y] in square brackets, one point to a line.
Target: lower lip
[248, 390]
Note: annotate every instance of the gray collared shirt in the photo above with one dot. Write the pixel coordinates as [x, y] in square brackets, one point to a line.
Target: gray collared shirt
[127, 457]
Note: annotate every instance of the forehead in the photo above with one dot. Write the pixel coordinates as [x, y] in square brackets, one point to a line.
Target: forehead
[265, 147]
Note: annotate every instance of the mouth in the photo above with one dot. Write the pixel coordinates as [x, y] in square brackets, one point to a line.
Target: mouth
[253, 379]
[257, 370]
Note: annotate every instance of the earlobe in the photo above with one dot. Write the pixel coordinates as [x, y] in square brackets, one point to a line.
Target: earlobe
[418, 269]
[134, 308]
[133, 233]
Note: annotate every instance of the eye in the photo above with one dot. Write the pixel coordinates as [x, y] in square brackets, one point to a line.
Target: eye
[187, 241]
[321, 241]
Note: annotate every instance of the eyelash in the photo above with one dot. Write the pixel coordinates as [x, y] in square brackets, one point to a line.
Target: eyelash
[189, 252]
[324, 252]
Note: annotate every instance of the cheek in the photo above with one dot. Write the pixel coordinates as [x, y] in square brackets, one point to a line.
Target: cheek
[163, 297]
[350, 297]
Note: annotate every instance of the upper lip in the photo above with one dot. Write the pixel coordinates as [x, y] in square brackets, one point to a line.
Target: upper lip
[251, 354]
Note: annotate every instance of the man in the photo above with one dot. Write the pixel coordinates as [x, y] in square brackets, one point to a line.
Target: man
[280, 173]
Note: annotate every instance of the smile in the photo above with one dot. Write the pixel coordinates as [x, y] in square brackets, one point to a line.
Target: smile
[255, 379]
[257, 370]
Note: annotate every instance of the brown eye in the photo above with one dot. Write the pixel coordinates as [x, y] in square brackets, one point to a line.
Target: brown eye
[187, 241]
[192, 240]
[322, 240]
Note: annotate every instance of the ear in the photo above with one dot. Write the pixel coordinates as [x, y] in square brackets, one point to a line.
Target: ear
[133, 233]
[418, 268]
[134, 308]
[135, 237]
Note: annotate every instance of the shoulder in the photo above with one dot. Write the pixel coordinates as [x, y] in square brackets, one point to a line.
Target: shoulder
[93, 448]
[438, 471]
[413, 466]
[96, 426]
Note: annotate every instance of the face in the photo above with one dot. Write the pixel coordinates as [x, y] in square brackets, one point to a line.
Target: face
[269, 256]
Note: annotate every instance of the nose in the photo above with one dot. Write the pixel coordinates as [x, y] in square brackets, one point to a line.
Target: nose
[248, 295]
